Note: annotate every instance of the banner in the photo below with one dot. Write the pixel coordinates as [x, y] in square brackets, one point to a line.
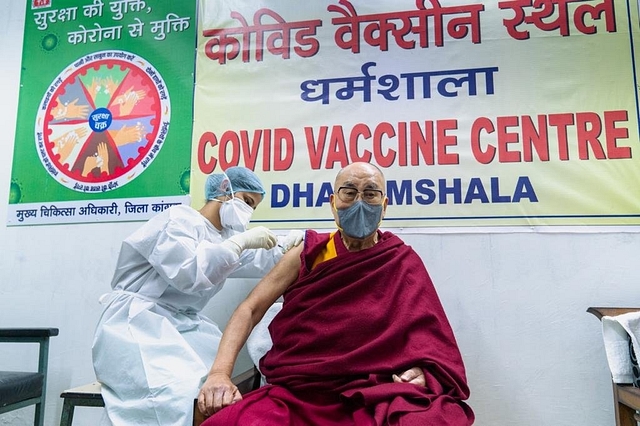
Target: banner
[506, 113]
[105, 111]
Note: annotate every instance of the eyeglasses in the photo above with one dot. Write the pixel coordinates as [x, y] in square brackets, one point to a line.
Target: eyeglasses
[369, 196]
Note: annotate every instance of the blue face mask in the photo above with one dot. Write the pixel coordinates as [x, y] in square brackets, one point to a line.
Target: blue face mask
[360, 220]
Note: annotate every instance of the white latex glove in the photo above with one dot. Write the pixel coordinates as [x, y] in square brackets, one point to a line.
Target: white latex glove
[254, 238]
[291, 240]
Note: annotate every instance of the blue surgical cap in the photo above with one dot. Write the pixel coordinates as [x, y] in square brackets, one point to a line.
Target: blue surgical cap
[242, 179]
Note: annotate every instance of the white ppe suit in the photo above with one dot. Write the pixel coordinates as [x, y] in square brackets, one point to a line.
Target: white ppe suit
[152, 349]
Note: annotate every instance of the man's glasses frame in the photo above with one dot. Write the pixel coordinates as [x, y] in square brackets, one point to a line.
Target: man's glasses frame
[347, 194]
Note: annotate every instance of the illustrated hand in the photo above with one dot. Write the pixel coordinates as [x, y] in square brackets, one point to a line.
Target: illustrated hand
[129, 99]
[254, 238]
[70, 110]
[103, 158]
[414, 375]
[291, 240]
[128, 134]
[99, 159]
[90, 163]
[67, 142]
[216, 393]
[94, 87]
[110, 85]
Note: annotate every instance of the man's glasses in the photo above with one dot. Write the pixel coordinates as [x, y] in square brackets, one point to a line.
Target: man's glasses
[369, 196]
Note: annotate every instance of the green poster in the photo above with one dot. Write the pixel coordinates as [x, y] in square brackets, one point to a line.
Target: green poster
[105, 111]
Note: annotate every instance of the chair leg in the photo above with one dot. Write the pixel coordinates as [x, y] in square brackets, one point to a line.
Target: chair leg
[625, 416]
[257, 378]
[198, 417]
[39, 416]
[67, 413]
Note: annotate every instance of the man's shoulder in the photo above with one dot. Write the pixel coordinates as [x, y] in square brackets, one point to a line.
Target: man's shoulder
[395, 246]
[313, 238]
[312, 234]
[390, 237]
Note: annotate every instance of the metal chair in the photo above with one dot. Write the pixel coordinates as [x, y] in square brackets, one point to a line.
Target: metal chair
[626, 398]
[20, 389]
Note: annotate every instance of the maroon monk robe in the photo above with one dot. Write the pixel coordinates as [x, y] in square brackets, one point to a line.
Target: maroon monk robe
[345, 327]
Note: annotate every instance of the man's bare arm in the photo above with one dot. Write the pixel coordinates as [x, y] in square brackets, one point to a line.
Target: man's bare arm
[218, 391]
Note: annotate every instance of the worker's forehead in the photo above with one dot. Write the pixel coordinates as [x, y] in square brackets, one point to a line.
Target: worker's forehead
[251, 198]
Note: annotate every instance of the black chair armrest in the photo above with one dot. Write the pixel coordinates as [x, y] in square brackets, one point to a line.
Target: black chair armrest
[38, 335]
[10, 333]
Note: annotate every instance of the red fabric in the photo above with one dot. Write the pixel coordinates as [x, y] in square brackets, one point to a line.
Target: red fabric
[344, 329]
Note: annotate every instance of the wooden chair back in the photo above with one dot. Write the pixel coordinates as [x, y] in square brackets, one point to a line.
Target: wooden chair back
[626, 398]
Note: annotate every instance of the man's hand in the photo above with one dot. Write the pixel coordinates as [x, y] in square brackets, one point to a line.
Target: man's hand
[216, 393]
[414, 375]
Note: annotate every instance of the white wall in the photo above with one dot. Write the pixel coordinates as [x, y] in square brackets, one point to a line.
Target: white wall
[516, 300]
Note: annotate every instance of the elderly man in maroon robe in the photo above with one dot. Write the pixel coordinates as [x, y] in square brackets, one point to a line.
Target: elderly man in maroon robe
[361, 339]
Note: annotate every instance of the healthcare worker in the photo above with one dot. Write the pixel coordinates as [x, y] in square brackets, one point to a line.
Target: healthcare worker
[152, 348]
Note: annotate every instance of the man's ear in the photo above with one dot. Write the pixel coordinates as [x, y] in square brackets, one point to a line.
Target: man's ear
[332, 200]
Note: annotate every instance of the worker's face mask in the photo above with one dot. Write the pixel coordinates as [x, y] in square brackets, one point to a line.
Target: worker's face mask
[360, 219]
[235, 214]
